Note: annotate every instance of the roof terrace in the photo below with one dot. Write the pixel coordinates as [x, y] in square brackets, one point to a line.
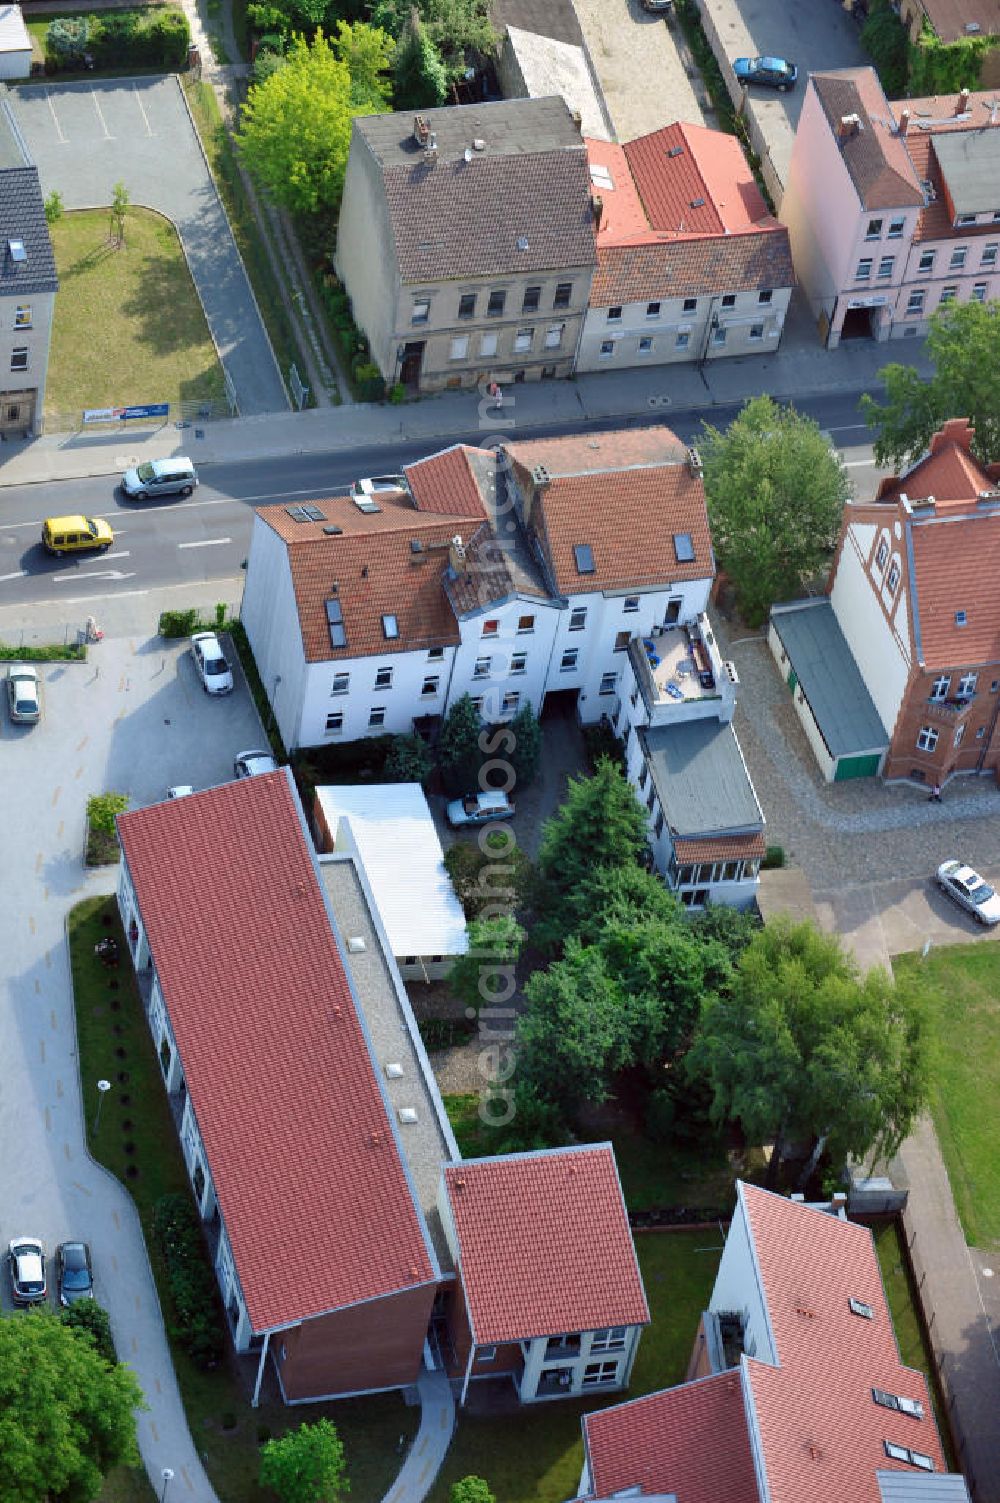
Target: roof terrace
[681, 673]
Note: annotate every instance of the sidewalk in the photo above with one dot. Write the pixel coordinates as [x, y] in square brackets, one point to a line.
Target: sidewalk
[801, 369]
[430, 1446]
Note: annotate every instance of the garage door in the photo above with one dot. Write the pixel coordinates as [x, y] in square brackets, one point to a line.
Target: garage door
[856, 767]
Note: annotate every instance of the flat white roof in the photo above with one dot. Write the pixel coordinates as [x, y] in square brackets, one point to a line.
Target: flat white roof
[13, 32]
[391, 828]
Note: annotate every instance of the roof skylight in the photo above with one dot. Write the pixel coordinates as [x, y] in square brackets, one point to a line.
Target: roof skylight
[584, 556]
[683, 548]
[335, 621]
[858, 1307]
[390, 628]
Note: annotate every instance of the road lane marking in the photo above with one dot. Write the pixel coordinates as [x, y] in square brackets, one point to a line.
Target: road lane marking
[107, 134]
[18, 574]
[55, 117]
[97, 574]
[860, 464]
[849, 428]
[145, 117]
[206, 543]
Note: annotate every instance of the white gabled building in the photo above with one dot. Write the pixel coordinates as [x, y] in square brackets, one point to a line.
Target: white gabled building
[528, 575]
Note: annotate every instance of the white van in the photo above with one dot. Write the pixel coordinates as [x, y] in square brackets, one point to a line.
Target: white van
[160, 477]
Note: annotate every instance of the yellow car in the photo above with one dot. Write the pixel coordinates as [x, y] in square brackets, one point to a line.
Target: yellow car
[76, 534]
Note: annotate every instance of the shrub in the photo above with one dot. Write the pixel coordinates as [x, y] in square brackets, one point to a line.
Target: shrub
[774, 857]
[370, 382]
[66, 40]
[87, 1315]
[397, 394]
[409, 761]
[53, 207]
[165, 40]
[179, 623]
[488, 884]
[884, 38]
[196, 1324]
[102, 809]
[53, 652]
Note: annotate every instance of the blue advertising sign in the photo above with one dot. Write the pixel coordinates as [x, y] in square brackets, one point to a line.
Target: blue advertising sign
[116, 414]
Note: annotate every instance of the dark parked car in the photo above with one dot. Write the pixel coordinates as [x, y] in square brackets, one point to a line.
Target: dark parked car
[774, 72]
[657, 7]
[76, 1276]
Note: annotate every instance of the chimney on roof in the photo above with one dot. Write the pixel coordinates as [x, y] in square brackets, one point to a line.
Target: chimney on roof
[457, 556]
[597, 204]
[421, 130]
[962, 102]
[577, 119]
[694, 464]
[541, 477]
[850, 125]
[904, 121]
[431, 149]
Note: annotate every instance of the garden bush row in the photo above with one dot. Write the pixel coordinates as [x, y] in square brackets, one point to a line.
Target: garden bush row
[118, 39]
[196, 1324]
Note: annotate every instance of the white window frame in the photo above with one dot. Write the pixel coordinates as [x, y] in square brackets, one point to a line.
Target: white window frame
[481, 668]
[341, 683]
[334, 723]
[864, 271]
[431, 686]
[488, 345]
[19, 358]
[421, 310]
[940, 686]
[927, 738]
[376, 717]
[967, 685]
[609, 683]
[578, 618]
[458, 349]
[383, 677]
[569, 661]
[554, 336]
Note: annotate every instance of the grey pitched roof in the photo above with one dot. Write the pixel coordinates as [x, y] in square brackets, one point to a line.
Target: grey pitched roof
[830, 679]
[22, 217]
[701, 779]
[875, 153]
[547, 18]
[521, 202]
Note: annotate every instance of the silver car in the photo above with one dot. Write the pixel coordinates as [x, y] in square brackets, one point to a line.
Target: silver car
[210, 660]
[250, 764]
[22, 694]
[26, 1258]
[970, 891]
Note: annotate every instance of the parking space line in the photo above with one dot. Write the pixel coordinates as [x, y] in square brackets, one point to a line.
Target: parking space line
[55, 118]
[205, 543]
[107, 134]
[145, 117]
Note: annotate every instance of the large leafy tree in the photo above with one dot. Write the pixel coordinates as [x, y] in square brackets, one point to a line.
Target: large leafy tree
[962, 343]
[295, 131]
[368, 52]
[802, 1047]
[307, 1465]
[67, 1415]
[455, 28]
[420, 79]
[459, 751]
[664, 970]
[484, 975]
[600, 824]
[575, 1034]
[775, 491]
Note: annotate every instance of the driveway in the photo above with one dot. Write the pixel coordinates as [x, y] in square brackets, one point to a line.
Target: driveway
[85, 137]
[642, 73]
[131, 719]
[817, 35]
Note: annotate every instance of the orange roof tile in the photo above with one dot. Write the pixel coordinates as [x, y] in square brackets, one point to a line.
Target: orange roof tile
[625, 494]
[691, 1442]
[302, 1154]
[695, 181]
[821, 1432]
[874, 155]
[376, 572]
[446, 483]
[544, 1244]
[725, 848]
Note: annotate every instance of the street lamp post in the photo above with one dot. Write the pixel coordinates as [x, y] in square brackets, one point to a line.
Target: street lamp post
[167, 1475]
[103, 1087]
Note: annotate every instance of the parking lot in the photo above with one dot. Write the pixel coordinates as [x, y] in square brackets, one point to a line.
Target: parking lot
[86, 137]
[640, 69]
[132, 719]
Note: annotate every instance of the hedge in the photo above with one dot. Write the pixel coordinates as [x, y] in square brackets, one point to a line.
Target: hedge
[119, 39]
[196, 1324]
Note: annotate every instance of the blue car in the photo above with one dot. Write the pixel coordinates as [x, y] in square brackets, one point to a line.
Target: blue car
[774, 72]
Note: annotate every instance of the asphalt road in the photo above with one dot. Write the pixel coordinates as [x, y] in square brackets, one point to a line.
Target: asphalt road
[207, 536]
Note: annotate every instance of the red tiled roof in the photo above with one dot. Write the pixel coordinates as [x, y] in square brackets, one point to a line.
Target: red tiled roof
[376, 572]
[544, 1244]
[821, 1432]
[303, 1158]
[446, 483]
[624, 494]
[690, 1441]
[875, 155]
[708, 165]
[725, 848]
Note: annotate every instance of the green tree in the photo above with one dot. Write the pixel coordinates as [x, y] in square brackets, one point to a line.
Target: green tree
[663, 970]
[600, 824]
[295, 129]
[119, 209]
[884, 37]
[420, 80]
[456, 29]
[961, 343]
[368, 52]
[307, 1465]
[459, 751]
[526, 752]
[471, 1490]
[66, 1416]
[87, 1315]
[775, 491]
[485, 973]
[623, 895]
[409, 761]
[803, 1048]
[575, 1035]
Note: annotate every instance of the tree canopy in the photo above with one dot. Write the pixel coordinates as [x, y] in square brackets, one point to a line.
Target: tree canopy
[775, 491]
[420, 80]
[961, 343]
[801, 1047]
[306, 1465]
[471, 1489]
[295, 130]
[67, 1416]
[454, 28]
[575, 1034]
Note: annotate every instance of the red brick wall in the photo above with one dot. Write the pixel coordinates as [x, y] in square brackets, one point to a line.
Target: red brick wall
[904, 760]
[508, 1358]
[378, 1344]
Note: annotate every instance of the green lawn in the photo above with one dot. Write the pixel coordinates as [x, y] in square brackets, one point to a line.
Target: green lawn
[128, 325]
[964, 992]
[535, 1456]
[222, 1421]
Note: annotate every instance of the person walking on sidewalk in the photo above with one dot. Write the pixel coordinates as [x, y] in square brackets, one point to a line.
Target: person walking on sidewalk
[934, 797]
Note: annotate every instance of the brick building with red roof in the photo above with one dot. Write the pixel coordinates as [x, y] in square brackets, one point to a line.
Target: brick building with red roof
[316, 1141]
[891, 207]
[910, 620]
[691, 264]
[797, 1391]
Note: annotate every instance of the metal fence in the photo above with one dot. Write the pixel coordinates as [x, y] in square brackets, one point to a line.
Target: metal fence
[183, 414]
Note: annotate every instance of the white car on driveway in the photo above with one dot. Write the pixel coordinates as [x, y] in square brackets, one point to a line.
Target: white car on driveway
[250, 764]
[970, 891]
[22, 694]
[26, 1257]
[210, 661]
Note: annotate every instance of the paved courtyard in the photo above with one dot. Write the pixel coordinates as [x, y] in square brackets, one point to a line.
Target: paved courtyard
[86, 137]
[640, 68]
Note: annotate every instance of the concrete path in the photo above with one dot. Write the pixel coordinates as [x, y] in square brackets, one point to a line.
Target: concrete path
[85, 137]
[430, 1445]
